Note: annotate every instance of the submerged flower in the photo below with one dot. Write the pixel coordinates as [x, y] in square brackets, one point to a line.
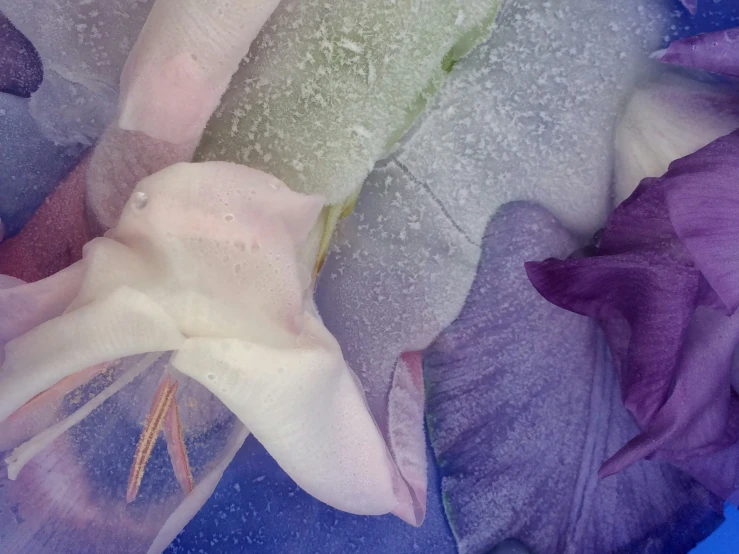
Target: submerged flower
[523, 406]
[663, 284]
[205, 262]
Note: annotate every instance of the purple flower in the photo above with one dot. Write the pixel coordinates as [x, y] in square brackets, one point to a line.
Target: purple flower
[523, 406]
[664, 285]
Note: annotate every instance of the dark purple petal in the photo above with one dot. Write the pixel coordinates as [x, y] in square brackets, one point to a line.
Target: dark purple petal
[21, 71]
[703, 202]
[642, 288]
[661, 284]
[701, 414]
[523, 406]
[645, 310]
[717, 52]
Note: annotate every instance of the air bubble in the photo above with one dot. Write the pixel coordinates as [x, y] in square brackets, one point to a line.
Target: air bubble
[139, 200]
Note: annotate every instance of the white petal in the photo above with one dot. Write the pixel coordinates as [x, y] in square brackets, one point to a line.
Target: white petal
[304, 406]
[125, 323]
[24, 306]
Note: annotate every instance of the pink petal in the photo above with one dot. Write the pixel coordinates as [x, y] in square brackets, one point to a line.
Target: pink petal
[172, 82]
[407, 439]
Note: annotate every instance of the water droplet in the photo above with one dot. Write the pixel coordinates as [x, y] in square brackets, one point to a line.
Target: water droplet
[255, 246]
[228, 218]
[237, 268]
[280, 370]
[239, 245]
[139, 200]
[211, 376]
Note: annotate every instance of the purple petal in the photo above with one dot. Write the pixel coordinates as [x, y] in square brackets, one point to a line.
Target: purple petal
[701, 414]
[21, 72]
[704, 209]
[717, 52]
[524, 406]
[642, 287]
[665, 318]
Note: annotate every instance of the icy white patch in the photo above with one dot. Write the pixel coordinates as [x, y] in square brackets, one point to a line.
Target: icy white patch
[531, 114]
[85, 43]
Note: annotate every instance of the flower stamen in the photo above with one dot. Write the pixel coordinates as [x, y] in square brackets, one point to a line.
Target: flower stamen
[163, 399]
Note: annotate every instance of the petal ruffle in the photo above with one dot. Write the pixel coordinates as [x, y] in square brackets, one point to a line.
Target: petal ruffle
[660, 283]
[652, 290]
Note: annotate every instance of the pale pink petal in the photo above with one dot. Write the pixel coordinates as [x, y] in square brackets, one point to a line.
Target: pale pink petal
[405, 430]
[172, 82]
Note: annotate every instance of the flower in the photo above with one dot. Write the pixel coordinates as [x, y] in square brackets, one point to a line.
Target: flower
[663, 286]
[205, 262]
[523, 406]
